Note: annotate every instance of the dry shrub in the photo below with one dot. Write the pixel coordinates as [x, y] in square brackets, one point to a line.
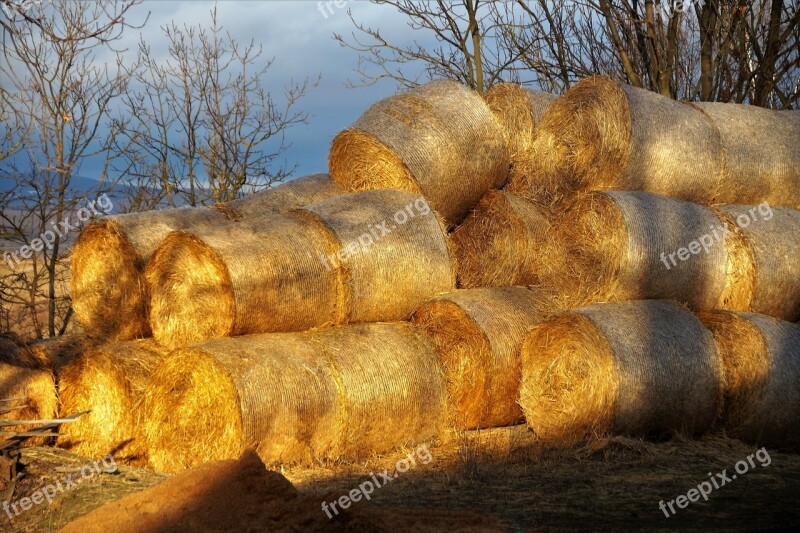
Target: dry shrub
[108, 381]
[504, 241]
[478, 334]
[615, 242]
[26, 394]
[284, 274]
[769, 282]
[602, 134]
[519, 111]
[108, 290]
[343, 392]
[762, 162]
[629, 368]
[761, 359]
[439, 140]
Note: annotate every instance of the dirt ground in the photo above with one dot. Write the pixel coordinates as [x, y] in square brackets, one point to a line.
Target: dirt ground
[500, 474]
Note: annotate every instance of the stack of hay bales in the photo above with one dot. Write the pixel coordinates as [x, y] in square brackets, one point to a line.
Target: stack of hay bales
[107, 284]
[336, 317]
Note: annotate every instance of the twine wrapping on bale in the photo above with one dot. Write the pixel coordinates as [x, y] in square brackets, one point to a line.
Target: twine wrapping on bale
[440, 140]
[26, 394]
[108, 289]
[519, 111]
[769, 265]
[289, 273]
[602, 134]
[630, 368]
[110, 382]
[478, 334]
[762, 162]
[620, 245]
[761, 359]
[504, 241]
[343, 392]
[389, 269]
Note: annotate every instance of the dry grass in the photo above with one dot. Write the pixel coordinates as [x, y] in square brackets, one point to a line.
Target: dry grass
[478, 335]
[27, 394]
[631, 368]
[296, 397]
[418, 140]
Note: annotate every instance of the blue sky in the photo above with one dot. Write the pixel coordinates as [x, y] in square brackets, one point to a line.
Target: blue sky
[300, 38]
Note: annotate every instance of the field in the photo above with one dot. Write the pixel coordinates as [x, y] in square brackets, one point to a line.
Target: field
[505, 478]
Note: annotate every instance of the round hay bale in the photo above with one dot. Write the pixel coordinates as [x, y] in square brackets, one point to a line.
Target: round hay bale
[110, 382]
[762, 162]
[770, 265]
[602, 134]
[504, 241]
[339, 392]
[478, 334]
[519, 111]
[439, 140]
[627, 246]
[393, 252]
[347, 259]
[630, 368]
[761, 359]
[109, 293]
[239, 278]
[27, 394]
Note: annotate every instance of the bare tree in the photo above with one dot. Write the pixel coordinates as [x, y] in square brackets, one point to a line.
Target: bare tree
[687, 49]
[204, 126]
[56, 85]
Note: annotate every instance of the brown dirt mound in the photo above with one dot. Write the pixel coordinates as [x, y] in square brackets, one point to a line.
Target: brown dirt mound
[242, 495]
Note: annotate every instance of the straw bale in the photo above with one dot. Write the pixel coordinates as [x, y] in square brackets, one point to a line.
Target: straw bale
[761, 359]
[646, 368]
[343, 392]
[519, 111]
[439, 140]
[478, 335]
[109, 381]
[505, 240]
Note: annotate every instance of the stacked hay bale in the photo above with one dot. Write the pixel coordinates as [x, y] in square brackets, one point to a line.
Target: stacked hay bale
[330, 263]
[439, 140]
[632, 368]
[109, 382]
[478, 334]
[109, 257]
[519, 111]
[344, 392]
[761, 359]
[27, 389]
